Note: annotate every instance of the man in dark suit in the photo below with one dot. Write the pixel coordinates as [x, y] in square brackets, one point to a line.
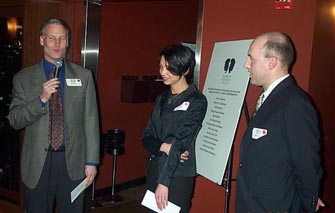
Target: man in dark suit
[279, 169]
[52, 171]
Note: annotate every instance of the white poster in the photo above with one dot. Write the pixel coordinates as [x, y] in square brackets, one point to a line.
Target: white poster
[225, 88]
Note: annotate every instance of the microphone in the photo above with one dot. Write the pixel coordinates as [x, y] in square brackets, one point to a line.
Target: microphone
[58, 65]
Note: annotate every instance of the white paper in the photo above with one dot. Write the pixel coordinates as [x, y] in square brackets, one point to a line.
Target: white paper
[79, 189]
[150, 202]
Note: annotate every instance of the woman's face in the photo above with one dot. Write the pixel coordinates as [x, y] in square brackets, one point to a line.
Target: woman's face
[168, 78]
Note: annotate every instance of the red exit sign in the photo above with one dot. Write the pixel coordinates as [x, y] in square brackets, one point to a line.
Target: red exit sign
[283, 4]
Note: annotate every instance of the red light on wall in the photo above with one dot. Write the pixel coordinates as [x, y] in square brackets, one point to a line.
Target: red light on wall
[283, 4]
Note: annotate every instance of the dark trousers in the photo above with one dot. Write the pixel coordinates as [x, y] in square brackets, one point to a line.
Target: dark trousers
[181, 189]
[54, 184]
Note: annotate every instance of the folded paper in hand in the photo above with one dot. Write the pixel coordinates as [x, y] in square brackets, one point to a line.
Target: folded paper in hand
[150, 202]
[79, 189]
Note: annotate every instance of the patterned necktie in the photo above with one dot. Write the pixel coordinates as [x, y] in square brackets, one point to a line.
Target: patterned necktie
[258, 104]
[56, 118]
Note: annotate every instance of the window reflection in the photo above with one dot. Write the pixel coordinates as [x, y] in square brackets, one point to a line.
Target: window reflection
[10, 64]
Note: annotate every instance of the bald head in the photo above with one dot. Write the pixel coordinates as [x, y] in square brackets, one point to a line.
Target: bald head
[278, 45]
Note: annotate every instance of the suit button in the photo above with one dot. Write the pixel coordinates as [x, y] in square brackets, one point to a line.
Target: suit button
[241, 165]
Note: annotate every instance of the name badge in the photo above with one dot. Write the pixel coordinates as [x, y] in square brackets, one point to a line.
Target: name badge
[73, 82]
[258, 133]
[182, 106]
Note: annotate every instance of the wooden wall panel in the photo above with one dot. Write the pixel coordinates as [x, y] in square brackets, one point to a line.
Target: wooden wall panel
[10, 8]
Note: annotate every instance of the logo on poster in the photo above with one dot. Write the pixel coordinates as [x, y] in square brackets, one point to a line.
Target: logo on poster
[229, 65]
[227, 70]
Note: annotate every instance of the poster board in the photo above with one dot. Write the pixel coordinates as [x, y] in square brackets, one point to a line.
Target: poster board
[225, 88]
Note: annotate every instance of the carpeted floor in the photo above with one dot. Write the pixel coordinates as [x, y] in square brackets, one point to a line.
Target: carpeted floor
[131, 202]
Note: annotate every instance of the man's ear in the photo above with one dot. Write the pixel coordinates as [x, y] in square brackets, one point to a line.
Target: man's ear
[273, 62]
[41, 40]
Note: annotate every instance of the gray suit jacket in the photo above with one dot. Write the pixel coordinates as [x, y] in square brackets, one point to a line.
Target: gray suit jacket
[81, 121]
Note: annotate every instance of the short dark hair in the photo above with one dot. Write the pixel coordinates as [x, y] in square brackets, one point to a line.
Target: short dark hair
[180, 60]
[55, 21]
[280, 45]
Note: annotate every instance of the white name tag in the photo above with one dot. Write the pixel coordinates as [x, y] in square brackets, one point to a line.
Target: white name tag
[258, 133]
[73, 82]
[182, 106]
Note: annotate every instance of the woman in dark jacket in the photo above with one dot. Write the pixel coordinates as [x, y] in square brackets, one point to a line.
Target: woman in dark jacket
[172, 129]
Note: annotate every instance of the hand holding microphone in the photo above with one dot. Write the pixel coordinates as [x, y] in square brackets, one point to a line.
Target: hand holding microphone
[58, 64]
[50, 86]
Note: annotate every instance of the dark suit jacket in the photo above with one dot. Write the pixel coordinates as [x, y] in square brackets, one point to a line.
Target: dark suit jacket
[81, 121]
[179, 127]
[280, 171]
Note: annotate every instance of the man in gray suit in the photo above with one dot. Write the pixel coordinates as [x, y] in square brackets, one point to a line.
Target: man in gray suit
[51, 172]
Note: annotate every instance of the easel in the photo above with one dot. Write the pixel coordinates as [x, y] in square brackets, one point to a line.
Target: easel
[228, 179]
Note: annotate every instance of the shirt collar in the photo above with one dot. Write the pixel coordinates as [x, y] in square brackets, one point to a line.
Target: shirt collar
[273, 85]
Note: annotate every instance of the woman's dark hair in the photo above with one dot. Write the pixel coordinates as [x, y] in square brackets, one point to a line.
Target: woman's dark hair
[180, 60]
